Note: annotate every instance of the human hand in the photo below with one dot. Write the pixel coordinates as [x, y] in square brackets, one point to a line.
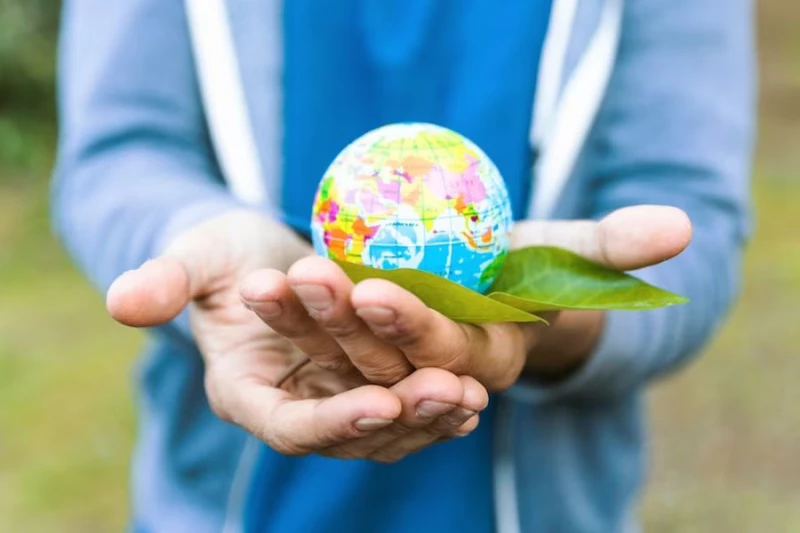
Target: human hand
[386, 333]
[334, 413]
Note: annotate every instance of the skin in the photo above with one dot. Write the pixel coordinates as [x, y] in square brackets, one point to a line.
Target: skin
[389, 375]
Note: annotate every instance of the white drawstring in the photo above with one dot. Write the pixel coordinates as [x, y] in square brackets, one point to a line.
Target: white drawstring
[224, 99]
[551, 68]
[563, 130]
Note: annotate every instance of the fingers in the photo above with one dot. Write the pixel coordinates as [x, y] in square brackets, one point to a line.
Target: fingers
[151, 295]
[303, 426]
[626, 239]
[459, 421]
[436, 405]
[298, 427]
[267, 293]
[493, 353]
[369, 421]
[324, 290]
[640, 236]
[424, 396]
[161, 288]
[426, 337]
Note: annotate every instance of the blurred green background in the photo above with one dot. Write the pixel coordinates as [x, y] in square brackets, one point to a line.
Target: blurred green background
[726, 431]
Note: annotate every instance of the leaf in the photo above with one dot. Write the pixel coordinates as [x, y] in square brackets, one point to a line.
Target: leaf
[540, 278]
[533, 279]
[449, 298]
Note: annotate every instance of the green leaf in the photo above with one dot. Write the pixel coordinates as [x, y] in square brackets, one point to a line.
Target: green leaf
[451, 299]
[541, 278]
[534, 279]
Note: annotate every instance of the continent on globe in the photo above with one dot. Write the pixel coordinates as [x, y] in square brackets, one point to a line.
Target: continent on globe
[415, 195]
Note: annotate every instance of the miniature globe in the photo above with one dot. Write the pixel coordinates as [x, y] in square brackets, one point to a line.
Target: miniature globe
[415, 196]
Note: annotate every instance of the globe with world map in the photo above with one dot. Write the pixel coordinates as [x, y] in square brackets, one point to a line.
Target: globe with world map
[417, 196]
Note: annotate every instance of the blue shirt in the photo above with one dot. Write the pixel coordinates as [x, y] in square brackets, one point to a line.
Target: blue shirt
[352, 66]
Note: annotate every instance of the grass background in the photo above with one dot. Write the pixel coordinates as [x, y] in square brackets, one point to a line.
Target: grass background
[725, 432]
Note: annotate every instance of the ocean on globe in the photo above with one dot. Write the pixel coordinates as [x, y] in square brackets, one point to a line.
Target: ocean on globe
[419, 196]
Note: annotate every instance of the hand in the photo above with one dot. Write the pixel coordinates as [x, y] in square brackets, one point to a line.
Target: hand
[384, 332]
[318, 410]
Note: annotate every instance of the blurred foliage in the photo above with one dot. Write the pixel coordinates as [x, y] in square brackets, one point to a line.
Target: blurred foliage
[27, 35]
[28, 30]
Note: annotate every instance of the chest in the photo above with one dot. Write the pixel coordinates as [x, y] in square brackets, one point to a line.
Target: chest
[468, 65]
[413, 56]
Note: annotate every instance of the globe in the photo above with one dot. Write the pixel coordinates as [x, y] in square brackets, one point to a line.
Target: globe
[415, 195]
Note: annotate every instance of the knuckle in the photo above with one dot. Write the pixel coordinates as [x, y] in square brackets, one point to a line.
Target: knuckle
[326, 435]
[388, 374]
[458, 363]
[455, 361]
[345, 330]
[442, 428]
[324, 352]
[405, 334]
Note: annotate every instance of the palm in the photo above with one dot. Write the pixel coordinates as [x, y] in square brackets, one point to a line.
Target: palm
[245, 349]
[231, 337]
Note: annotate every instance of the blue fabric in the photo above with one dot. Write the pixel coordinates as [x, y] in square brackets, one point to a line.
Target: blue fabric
[350, 67]
[296, 495]
[676, 127]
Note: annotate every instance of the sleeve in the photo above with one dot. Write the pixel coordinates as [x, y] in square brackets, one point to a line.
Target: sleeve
[134, 165]
[676, 128]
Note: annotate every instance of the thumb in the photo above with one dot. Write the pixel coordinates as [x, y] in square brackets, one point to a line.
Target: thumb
[161, 288]
[198, 262]
[626, 239]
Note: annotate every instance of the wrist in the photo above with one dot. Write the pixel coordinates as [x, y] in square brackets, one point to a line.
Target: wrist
[565, 346]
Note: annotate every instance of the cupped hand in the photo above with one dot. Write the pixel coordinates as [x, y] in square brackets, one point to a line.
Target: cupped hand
[385, 333]
[329, 409]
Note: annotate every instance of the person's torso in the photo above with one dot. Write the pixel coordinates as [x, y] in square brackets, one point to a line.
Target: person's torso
[190, 466]
[350, 67]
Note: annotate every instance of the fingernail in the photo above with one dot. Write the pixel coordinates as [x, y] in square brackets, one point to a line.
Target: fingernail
[381, 316]
[314, 297]
[371, 424]
[430, 409]
[458, 416]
